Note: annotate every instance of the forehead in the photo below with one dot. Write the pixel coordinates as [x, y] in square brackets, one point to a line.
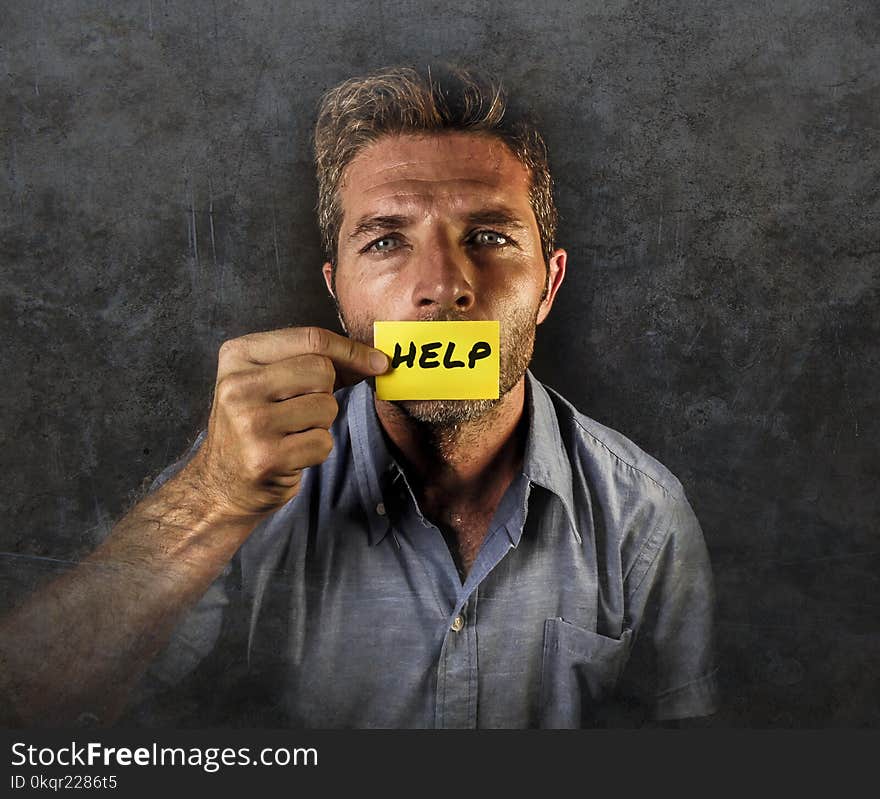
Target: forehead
[461, 169]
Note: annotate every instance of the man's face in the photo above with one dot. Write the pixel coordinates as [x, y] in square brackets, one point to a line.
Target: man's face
[440, 228]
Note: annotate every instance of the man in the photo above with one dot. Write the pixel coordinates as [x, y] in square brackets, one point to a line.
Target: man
[353, 562]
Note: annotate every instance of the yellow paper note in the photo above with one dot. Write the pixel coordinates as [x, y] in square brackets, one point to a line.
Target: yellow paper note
[438, 360]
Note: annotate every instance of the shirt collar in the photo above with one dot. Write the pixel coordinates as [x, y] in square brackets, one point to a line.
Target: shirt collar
[545, 462]
[374, 467]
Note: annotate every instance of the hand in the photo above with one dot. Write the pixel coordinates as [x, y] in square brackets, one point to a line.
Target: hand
[272, 410]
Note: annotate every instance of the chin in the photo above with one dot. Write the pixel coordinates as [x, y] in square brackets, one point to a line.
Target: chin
[448, 413]
[445, 413]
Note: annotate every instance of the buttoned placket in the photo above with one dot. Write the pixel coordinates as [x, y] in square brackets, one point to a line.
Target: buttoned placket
[394, 509]
[457, 667]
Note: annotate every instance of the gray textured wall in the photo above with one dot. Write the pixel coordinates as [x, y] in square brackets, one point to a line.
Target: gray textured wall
[717, 175]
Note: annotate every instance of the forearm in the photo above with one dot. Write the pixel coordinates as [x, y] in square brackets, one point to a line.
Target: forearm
[81, 643]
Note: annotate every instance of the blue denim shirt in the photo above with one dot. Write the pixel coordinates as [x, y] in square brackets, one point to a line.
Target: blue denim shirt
[590, 602]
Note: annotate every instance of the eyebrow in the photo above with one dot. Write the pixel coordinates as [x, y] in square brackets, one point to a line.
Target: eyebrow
[498, 216]
[377, 224]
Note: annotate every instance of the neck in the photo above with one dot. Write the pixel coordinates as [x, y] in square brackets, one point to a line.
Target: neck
[462, 460]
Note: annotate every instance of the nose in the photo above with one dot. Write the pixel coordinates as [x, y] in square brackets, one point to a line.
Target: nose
[443, 281]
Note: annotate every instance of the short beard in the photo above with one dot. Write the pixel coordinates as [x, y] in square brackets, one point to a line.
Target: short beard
[517, 345]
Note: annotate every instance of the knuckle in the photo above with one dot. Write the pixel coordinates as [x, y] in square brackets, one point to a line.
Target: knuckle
[260, 463]
[249, 424]
[330, 407]
[353, 351]
[236, 387]
[227, 390]
[229, 348]
[322, 367]
[326, 367]
[312, 447]
[324, 443]
[316, 339]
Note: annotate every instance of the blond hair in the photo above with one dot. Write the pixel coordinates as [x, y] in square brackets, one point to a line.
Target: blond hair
[401, 100]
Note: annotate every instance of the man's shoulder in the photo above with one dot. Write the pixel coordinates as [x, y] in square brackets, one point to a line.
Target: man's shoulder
[600, 449]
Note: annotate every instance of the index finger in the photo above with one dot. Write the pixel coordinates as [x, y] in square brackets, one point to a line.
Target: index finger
[347, 354]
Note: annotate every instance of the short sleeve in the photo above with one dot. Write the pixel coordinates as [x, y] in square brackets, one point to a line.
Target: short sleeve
[671, 667]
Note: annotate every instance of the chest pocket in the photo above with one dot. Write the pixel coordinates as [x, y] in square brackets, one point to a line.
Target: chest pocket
[580, 670]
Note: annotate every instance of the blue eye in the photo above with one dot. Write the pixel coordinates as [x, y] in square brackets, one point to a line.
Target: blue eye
[490, 238]
[385, 244]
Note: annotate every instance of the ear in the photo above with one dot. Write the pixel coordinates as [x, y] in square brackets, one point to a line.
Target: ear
[554, 281]
[327, 269]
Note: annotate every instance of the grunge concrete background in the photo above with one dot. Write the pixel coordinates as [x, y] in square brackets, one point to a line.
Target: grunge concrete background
[717, 176]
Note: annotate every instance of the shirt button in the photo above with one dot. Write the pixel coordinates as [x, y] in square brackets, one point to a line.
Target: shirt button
[457, 624]
[380, 508]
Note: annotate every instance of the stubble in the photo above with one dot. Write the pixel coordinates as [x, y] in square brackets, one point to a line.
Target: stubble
[517, 341]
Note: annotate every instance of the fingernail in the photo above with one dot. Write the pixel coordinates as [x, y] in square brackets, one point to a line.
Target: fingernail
[378, 361]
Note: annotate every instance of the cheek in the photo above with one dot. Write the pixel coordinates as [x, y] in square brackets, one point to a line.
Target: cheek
[373, 297]
[523, 289]
[349, 286]
[360, 304]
